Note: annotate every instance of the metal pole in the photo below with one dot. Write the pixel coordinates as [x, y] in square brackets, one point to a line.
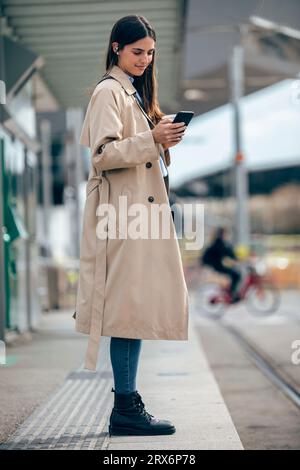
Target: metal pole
[236, 77]
[28, 282]
[2, 260]
[51, 270]
[47, 183]
[74, 124]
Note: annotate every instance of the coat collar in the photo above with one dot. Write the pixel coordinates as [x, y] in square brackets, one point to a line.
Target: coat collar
[126, 83]
[123, 78]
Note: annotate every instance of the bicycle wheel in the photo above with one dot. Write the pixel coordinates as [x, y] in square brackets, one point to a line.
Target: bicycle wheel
[263, 299]
[209, 301]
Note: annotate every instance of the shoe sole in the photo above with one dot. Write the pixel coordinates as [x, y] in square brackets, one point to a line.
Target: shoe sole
[140, 432]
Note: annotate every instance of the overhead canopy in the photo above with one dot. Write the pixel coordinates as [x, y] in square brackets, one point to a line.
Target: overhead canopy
[15, 74]
[271, 33]
[17, 71]
[269, 128]
[194, 42]
[72, 36]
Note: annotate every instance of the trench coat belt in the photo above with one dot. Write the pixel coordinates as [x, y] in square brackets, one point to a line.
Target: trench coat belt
[99, 280]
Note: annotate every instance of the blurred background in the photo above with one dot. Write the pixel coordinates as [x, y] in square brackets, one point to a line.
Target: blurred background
[235, 64]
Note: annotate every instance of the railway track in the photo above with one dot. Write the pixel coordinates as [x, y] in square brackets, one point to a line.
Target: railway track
[266, 365]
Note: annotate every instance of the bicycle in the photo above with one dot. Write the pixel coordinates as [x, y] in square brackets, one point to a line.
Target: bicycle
[260, 295]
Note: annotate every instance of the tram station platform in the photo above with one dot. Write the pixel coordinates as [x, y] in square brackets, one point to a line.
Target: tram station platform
[71, 411]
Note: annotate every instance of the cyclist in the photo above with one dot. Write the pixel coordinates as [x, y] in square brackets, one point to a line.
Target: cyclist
[214, 255]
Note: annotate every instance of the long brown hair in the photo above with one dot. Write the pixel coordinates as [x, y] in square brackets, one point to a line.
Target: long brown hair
[125, 31]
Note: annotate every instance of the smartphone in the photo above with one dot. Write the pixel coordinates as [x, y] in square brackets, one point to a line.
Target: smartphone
[184, 116]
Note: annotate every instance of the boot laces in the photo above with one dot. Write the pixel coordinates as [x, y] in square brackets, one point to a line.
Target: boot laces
[141, 406]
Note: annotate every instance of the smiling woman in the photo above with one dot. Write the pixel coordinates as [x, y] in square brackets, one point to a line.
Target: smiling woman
[127, 59]
[130, 288]
[132, 46]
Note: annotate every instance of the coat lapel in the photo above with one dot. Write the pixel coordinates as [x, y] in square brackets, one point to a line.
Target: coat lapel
[117, 73]
[151, 126]
[143, 111]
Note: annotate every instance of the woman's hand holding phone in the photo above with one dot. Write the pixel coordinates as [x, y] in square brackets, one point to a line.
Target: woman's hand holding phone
[167, 133]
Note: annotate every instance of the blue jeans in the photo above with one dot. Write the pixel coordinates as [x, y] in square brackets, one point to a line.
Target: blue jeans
[124, 355]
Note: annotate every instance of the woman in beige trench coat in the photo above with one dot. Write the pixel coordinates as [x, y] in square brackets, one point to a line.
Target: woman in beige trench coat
[131, 282]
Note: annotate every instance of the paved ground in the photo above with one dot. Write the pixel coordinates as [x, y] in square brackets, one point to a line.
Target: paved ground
[264, 417]
[51, 402]
[37, 364]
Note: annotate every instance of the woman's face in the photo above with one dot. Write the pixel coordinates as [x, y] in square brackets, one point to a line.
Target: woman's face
[134, 58]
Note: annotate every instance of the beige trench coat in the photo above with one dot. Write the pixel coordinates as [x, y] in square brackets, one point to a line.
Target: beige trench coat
[128, 288]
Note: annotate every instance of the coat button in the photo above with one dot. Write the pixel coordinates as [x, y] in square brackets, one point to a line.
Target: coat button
[148, 164]
[150, 198]
[100, 149]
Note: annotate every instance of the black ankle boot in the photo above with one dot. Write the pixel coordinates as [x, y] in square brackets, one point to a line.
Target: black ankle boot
[129, 417]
